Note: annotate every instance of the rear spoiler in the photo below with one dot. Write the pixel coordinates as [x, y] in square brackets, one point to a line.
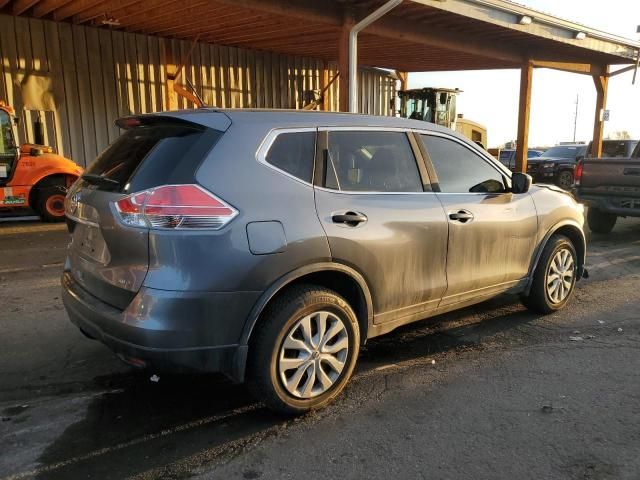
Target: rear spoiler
[205, 117]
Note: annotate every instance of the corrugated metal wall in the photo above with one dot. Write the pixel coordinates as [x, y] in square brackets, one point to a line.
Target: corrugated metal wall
[78, 80]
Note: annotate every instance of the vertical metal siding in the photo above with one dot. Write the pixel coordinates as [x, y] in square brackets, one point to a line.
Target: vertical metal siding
[93, 76]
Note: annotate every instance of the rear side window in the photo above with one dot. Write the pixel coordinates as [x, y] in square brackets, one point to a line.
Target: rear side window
[371, 161]
[294, 153]
[148, 156]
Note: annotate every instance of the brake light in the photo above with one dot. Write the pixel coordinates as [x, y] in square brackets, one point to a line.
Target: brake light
[175, 207]
[577, 176]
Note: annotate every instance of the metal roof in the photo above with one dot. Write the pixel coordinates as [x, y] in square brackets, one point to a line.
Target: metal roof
[418, 35]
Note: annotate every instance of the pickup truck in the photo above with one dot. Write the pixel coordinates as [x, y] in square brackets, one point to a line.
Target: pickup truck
[557, 164]
[610, 187]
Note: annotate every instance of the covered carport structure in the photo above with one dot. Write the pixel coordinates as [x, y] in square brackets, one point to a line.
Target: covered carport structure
[406, 36]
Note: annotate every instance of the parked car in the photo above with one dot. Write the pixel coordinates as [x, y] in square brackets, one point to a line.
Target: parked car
[270, 245]
[507, 157]
[611, 189]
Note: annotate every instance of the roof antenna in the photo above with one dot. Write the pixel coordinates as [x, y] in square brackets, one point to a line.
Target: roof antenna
[195, 92]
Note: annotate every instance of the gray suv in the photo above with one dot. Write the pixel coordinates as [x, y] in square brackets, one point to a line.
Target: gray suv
[270, 245]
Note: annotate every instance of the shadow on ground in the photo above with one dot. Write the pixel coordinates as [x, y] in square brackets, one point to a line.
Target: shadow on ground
[143, 425]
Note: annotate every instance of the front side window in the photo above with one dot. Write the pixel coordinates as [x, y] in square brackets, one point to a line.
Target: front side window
[460, 170]
[371, 161]
[294, 152]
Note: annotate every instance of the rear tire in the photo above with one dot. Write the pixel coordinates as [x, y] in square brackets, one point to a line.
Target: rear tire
[554, 278]
[599, 221]
[294, 366]
[50, 203]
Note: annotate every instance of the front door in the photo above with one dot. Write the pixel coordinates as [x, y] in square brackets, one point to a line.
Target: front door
[491, 231]
[371, 200]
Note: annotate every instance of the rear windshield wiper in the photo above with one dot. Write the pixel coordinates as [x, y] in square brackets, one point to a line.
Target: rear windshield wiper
[99, 179]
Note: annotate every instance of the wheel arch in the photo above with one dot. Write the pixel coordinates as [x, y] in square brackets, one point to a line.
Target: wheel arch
[570, 229]
[52, 179]
[343, 279]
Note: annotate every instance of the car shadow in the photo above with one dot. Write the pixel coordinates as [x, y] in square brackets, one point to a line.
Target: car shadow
[141, 425]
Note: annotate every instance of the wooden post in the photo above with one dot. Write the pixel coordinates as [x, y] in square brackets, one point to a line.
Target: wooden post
[404, 79]
[526, 77]
[171, 101]
[602, 84]
[325, 81]
[343, 68]
[343, 61]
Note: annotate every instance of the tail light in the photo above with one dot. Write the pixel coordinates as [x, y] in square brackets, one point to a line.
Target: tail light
[175, 207]
[577, 175]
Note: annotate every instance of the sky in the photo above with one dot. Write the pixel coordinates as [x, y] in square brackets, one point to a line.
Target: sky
[490, 97]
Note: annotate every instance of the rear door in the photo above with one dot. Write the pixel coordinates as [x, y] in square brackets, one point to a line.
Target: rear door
[381, 218]
[491, 231]
[106, 257]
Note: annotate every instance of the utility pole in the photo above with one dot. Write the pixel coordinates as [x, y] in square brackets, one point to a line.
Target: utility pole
[575, 118]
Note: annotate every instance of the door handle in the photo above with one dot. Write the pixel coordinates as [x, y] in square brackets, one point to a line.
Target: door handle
[462, 216]
[349, 218]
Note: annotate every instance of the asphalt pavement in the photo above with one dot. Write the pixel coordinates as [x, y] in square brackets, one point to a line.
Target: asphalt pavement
[489, 392]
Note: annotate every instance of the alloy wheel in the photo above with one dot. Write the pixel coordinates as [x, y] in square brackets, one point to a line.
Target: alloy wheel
[560, 276]
[565, 180]
[313, 354]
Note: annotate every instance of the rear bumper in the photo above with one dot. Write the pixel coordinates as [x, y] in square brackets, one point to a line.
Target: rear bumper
[614, 205]
[165, 330]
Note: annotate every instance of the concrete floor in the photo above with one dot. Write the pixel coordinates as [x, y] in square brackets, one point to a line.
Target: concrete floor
[490, 392]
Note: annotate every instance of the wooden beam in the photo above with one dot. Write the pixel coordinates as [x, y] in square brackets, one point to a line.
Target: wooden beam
[3, 3]
[622, 70]
[582, 68]
[45, 7]
[74, 8]
[111, 9]
[21, 6]
[524, 113]
[602, 83]
[389, 27]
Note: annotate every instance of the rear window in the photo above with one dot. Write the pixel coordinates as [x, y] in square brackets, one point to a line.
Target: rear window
[152, 155]
[616, 149]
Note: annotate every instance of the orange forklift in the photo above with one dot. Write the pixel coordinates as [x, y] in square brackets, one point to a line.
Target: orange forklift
[32, 176]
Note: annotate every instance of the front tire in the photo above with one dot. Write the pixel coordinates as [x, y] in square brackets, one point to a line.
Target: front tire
[554, 278]
[599, 221]
[50, 203]
[565, 180]
[304, 351]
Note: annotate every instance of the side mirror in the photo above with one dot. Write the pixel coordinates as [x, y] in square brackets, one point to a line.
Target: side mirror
[520, 182]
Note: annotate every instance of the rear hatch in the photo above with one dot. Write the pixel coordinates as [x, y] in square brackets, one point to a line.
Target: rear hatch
[106, 257]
